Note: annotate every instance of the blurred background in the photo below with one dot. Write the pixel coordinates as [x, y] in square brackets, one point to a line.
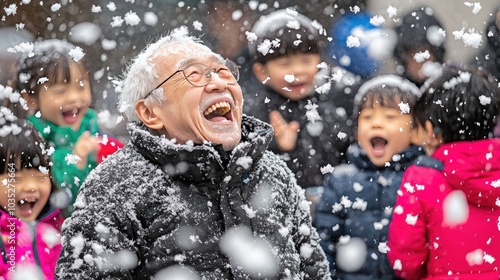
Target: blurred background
[111, 33]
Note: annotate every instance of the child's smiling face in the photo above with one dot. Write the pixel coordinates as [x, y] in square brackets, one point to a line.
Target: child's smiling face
[292, 75]
[65, 104]
[24, 193]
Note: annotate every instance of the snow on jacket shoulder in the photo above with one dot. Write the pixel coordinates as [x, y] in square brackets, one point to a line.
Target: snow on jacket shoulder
[446, 220]
[30, 250]
[155, 206]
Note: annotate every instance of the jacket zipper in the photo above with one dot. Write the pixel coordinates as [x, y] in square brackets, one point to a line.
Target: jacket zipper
[32, 226]
[4, 250]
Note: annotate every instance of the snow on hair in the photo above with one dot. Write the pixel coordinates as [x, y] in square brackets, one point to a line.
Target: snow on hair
[285, 18]
[140, 75]
[386, 80]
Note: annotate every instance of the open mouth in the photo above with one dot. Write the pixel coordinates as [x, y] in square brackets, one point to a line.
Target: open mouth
[378, 145]
[219, 111]
[26, 205]
[70, 115]
[298, 87]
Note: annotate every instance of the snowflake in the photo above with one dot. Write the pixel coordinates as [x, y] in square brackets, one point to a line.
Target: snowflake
[341, 135]
[132, 19]
[377, 20]
[197, 25]
[383, 248]
[392, 11]
[55, 7]
[409, 188]
[327, 169]
[411, 220]
[76, 54]
[72, 159]
[397, 265]
[353, 41]
[360, 204]
[484, 100]
[96, 9]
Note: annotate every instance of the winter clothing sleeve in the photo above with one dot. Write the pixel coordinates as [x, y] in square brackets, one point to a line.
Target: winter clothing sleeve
[443, 202]
[328, 223]
[307, 240]
[408, 229]
[93, 232]
[68, 175]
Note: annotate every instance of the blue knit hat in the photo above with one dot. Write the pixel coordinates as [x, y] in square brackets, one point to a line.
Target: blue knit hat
[375, 44]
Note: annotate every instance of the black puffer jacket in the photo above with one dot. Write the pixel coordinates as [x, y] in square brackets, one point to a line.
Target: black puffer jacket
[155, 205]
[356, 202]
[321, 141]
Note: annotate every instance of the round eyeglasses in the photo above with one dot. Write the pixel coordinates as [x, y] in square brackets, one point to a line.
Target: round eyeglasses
[199, 75]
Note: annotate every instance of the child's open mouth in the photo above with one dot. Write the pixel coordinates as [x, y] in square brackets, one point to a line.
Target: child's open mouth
[378, 145]
[70, 116]
[220, 111]
[26, 205]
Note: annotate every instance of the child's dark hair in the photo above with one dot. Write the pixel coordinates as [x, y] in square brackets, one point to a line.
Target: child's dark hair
[284, 32]
[22, 146]
[388, 91]
[461, 103]
[50, 59]
[414, 30]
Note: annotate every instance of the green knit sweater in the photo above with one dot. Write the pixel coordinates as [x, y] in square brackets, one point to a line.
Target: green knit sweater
[63, 139]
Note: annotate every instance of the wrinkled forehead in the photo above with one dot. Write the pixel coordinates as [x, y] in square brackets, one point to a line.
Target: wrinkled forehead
[180, 54]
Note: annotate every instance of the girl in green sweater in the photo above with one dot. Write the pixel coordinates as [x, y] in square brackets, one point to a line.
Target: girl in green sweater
[56, 85]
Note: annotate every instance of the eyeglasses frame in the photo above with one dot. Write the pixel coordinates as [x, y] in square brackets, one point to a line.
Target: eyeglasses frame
[187, 66]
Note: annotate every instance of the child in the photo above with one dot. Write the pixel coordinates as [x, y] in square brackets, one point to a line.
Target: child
[355, 208]
[421, 44]
[309, 131]
[30, 225]
[56, 84]
[488, 56]
[446, 219]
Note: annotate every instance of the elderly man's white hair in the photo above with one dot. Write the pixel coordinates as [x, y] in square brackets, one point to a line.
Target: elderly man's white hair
[140, 77]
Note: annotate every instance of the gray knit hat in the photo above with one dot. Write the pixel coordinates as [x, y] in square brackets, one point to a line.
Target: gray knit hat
[273, 22]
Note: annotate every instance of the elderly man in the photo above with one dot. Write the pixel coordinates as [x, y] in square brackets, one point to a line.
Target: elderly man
[194, 194]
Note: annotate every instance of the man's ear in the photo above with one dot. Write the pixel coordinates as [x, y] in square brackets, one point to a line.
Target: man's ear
[147, 115]
[259, 71]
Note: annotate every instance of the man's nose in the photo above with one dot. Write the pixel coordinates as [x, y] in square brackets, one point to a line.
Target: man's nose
[216, 82]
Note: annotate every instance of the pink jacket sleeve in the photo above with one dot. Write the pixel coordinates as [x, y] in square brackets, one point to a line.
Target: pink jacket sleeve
[407, 237]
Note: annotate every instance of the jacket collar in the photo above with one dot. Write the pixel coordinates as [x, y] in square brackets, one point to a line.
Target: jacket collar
[62, 135]
[203, 162]
[357, 156]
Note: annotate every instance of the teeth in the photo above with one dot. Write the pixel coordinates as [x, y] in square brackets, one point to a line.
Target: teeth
[220, 108]
[27, 200]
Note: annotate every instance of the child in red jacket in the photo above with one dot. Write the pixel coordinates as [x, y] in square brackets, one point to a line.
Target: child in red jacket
[30, 214]
[446, 221]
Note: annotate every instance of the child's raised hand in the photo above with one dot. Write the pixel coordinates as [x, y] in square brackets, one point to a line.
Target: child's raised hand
[85, 145]
[286, 134]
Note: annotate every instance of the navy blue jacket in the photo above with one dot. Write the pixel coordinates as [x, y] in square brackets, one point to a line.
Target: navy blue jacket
[356, 204]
